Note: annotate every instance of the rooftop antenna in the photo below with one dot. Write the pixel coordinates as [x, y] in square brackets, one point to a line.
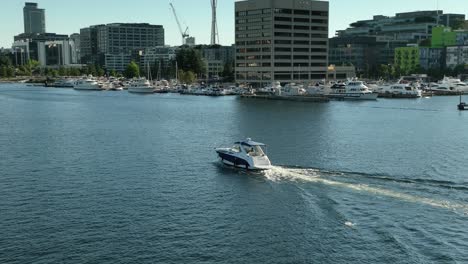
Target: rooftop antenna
[214, 23]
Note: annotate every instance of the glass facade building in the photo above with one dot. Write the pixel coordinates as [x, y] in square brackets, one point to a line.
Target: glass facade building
[34, 19]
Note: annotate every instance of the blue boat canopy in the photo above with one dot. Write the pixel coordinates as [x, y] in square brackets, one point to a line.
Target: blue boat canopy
[250, 143]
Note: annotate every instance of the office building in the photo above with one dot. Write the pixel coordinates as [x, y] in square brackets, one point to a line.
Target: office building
[431, 58]
[410, 26]
[278, 40]
[216, 57]
[75, 38]
[365, 53]
[456, 55]
[113, 45]
[28, 44]
[34, 19]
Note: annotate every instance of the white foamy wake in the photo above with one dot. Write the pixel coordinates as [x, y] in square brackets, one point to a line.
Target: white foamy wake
[277, 174]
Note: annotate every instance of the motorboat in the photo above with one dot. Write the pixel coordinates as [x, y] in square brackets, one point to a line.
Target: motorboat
[462, 106]
[400, 89]
[454, 84]
[245, 154]
[64, 83]
[352, 90]
[140, 86]
[87, 85]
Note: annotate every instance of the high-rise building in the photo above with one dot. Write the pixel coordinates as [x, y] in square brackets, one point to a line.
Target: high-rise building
[34, 19]
[279, 40]
[112, 45]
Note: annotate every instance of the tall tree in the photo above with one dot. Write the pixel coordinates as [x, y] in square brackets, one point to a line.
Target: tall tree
[132, 70]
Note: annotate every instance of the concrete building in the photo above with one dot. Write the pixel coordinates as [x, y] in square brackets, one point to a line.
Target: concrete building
[76, 59]
[216, 57]
[456, 55]
[410, 26]
[365, 53]
[112, 45]
[57, 53]
[407, 59]
[431, 58]
[34, 19]
[278, 40]
[341, 73]
[28, 43]
[161, 56]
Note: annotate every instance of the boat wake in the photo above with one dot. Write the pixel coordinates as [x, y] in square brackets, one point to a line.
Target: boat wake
[279, 174]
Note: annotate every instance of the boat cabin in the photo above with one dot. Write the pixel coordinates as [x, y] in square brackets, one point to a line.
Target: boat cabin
[251, 148]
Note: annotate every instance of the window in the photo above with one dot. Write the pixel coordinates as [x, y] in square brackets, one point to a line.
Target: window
[301, 20]
[283, 11]
[254, 12]
[318, 50]
[282, 34]
[278, 41]
[301, 35]
[302, 12]
[301, 57]
[282, 26]
[301, 27]
[301, 50]
[287, 19]
[319, 13]
[282, 64]
[281, 49]
[282, 57]
[301, 42]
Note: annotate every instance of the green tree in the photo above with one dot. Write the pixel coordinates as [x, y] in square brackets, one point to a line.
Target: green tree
[190, 59]
[187, 77]
[228, 72]
[62, 71]
[100, 71]
[10, 71]
[74, 71]
[3, 71]
[113, 73]
[132, 70]
[91, 70]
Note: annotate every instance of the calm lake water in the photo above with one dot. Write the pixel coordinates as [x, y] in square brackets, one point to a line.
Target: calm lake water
[112, 177]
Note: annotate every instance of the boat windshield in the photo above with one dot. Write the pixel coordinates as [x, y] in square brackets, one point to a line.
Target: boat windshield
[254, 151]
[236, 149]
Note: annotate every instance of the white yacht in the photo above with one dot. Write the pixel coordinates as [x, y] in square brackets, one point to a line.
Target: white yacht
[352, 90]
[246, 154]
[140, 86]
[87, 85]
[453, 84]
[399, 90]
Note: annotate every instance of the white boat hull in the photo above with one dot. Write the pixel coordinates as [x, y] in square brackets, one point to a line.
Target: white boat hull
[355, 96]
[239, 160]
[141, 90]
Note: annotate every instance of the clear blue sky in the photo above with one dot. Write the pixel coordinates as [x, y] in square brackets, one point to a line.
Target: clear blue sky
[68, 17]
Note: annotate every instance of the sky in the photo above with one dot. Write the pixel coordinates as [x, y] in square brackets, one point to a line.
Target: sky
[67, 17]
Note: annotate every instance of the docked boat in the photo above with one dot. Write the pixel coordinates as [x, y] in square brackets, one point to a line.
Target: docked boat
[87, 85]
[63, 83]
[454, 84]
[352, 90]
[140, 86]
[399, 90]
[246, 154]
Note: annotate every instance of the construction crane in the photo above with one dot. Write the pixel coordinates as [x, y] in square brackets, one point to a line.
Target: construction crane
[184, 34]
